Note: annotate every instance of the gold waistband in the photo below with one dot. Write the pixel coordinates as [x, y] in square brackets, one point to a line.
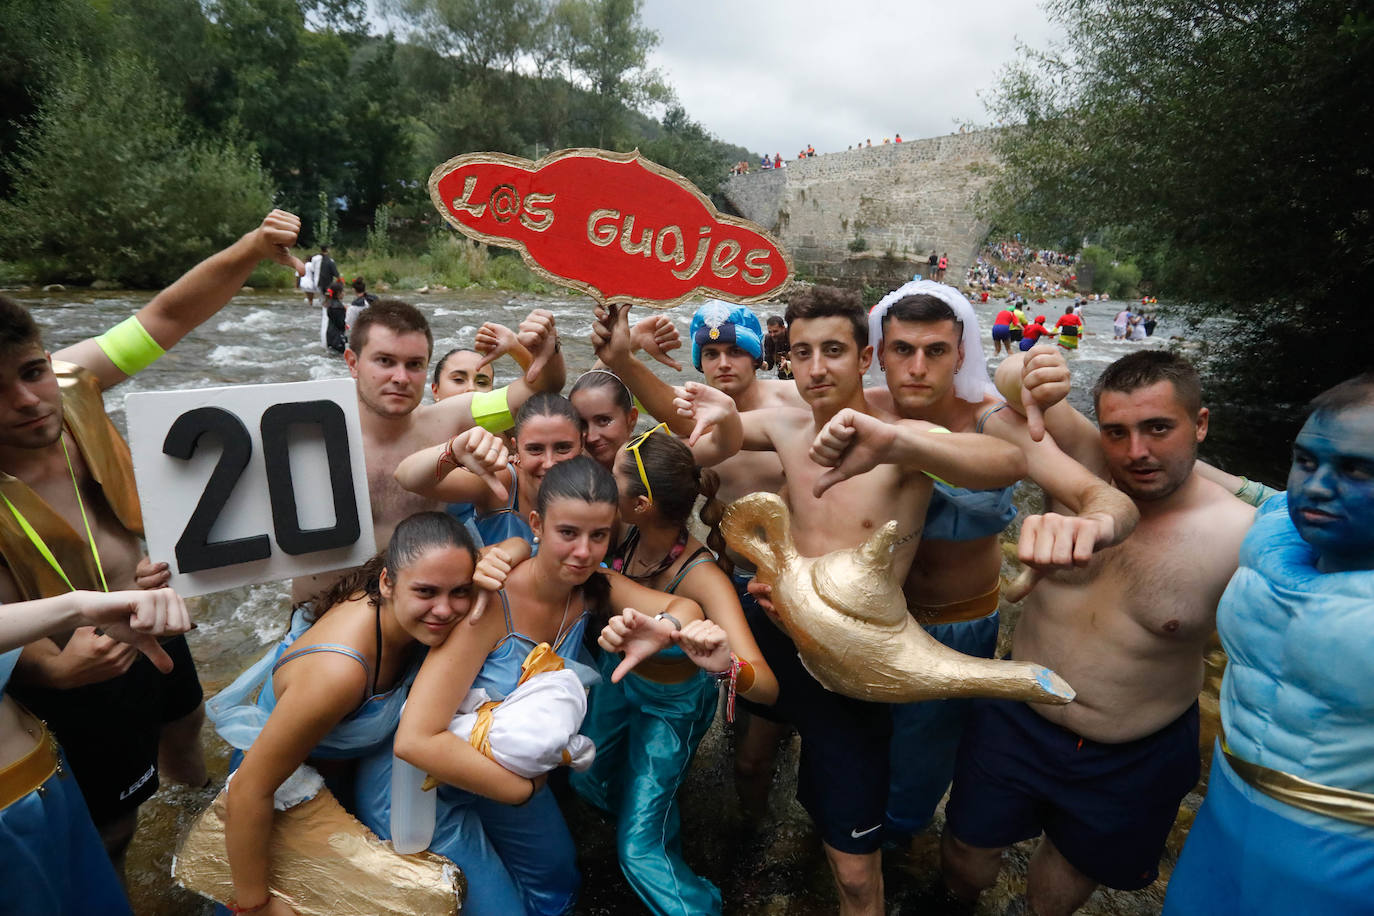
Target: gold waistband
[1342, 804]
[974, 608]
[33, 769]
[666, 670]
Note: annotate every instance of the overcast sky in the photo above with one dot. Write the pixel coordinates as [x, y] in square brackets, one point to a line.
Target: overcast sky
[775, 75]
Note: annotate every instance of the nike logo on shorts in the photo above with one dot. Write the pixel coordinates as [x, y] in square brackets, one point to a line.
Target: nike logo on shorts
[860, 833]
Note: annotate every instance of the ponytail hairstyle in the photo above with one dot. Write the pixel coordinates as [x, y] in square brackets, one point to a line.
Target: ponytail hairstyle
[547, 404]
[677, 481]
[582, 478]
[413, 538]
[605, 378]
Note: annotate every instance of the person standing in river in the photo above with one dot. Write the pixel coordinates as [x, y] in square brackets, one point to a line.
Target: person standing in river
[326, 272]
[1100, 780]
[66, 470]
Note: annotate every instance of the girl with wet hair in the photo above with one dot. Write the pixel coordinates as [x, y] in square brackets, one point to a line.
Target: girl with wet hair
[331, 690]
[548, 430]
[609, 411]
[505, 830]
[648, 722]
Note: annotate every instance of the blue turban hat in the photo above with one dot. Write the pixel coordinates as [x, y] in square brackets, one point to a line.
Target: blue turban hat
[723, 323]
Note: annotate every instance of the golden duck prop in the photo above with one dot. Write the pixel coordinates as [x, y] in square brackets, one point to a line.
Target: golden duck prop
[846, 613]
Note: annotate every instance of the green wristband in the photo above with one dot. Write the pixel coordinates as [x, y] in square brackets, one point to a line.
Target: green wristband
[129, 346]
[937, 429]
[491, 410]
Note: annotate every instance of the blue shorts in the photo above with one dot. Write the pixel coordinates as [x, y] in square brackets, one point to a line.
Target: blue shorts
[1026, 343]
[1001, 332]
[1108, 808]
[842, 777]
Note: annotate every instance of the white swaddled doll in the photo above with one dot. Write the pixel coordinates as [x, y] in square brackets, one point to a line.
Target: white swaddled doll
[530, 732]
[534, 729]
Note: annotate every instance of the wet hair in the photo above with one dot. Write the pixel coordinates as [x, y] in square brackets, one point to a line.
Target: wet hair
[548, 404]
[677, 481]
[923, 308]
[1148, 367]
[582, 478]
[1353, 393]
[400, 317]
[439, 366]
[605, 378]
[413, 538]
[831, 302]
[359, 285]
[18, 330]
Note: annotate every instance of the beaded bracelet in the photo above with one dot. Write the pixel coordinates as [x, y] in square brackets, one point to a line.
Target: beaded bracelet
[236, 909]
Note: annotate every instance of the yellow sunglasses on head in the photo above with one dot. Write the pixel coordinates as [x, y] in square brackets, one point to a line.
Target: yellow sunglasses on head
[633, 448]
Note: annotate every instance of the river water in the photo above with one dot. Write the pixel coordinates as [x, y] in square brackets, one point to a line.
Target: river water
[274, 337]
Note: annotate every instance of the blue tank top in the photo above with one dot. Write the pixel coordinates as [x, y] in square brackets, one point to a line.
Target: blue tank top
[506, 522]
[501, 671]
[7, 662]
[467, 514]
[956, 514]
[239, 715]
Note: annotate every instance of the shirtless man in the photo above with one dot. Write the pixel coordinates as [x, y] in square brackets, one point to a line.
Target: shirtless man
[927, 339]
[388, 352]
[843, 776]
[1103, 776]
[119, 720]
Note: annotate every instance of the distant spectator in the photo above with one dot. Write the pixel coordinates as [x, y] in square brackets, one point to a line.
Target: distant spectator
[777, 348]
[777, 160]
[941, 266]
[336, 335]
[810, 151]
[764, 163]
[933, 261]
[870, 141]
[361, 300]
[899, 138]
[886, 141]
[327, 273]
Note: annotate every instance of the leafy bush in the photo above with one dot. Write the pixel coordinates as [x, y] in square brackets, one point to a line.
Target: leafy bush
[112, 185]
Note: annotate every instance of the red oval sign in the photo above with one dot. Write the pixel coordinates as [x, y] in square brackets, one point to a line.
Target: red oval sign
[614, 225]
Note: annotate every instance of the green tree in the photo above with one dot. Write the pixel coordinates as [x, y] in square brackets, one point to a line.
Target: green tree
[687, 148]
[1226, 144]
[608, 48]
[112, 184]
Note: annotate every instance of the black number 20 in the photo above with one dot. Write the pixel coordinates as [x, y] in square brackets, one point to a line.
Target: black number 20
[194, 549]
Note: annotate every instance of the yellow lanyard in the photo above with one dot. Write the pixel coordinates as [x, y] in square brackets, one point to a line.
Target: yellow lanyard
[37, 539]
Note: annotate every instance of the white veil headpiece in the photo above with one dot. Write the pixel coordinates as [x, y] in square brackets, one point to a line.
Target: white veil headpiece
[971, 382]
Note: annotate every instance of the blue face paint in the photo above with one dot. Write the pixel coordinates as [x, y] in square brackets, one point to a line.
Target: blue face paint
[1331, 487]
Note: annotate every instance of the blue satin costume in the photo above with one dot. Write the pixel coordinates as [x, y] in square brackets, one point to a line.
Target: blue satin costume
[52, 862]
[925, 736]
[517, 859]
[1297, 697]
[506, 522]
[467, 514]
[240, 711]
[646, 734]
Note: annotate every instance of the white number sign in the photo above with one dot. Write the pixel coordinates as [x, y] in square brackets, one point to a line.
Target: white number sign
[251, 483]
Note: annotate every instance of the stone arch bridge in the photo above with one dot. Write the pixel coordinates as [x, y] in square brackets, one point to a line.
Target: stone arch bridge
[873, 215]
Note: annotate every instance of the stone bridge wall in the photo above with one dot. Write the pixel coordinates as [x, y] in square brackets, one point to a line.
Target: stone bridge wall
[902, 199]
